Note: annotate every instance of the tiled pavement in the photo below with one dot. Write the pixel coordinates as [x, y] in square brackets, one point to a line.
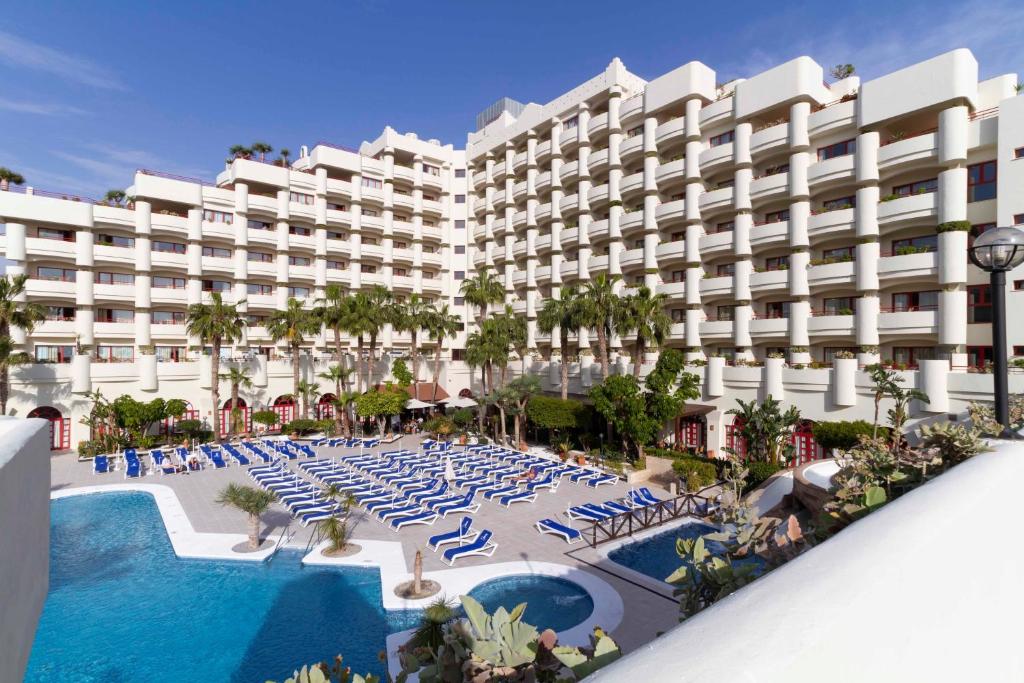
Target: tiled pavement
[646, 613]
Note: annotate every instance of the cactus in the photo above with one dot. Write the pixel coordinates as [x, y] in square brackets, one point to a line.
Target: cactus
[338, 673]
[502, 640]
[954, 443]
[582, 663]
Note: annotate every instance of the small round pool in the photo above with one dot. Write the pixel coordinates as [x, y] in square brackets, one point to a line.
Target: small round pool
[551, 602]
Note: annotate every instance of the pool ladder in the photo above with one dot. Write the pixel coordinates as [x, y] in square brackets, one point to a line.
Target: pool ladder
[281, 540]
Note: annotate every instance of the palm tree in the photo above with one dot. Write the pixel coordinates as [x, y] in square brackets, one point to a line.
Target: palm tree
[14, 313]
[250, 500]
[380, 313]
[432, 627]
[482, 291]
[598, 303]
[115, 197]
[412, 317]
[333, 310]
[216, 324]
[561, 313]
[262, 148]
[643, 313]
[335, 528]
[357, 321]
[292, 325]
[9, 177]
[516, 329]
[440, 324]
[476, 357]
[240, 152]
[338, 375]
[9, 358]
[307, 390]
[239, 379]
[283, 155]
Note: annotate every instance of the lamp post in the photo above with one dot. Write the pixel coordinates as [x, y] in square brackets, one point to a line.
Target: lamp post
[997, 251]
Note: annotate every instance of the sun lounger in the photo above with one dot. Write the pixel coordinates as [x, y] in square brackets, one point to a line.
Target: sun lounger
[581, 512]
[100, 464]
[132, 467]
[566, 533]
[600, 479]
[386, 513]
[581, 473]
[464, 504]
[423, 517]
[464, 534]
[481, 546]
[615, 506]
[645, 494]
[520, 497]
[313, 517]
[500, 492]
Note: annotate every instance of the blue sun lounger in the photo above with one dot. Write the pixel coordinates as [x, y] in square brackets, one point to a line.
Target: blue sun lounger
[500, 492]
[581, 512]
[600, 479]
[464, 534]
[480, 546]
[132, 466]
[566, 533]
[384, 514]
[615, 506]
[645, 494]
[464, 504]
[390, 502]
[313, 517]
[520, 497]
[422, 517]
[100, 464]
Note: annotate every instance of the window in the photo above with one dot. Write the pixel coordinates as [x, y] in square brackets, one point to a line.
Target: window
[460, 301]
[428, 249]
[678, 315]
[298, 292]
[837, 254]
[60, 313]
[725, 183]
[840, 305]
[1018, 153]
[776, 216]
[976, 230]
[334, 235]
[114, 315]
[257, 320]
[460, 224]
[371, 241]
[571, 122]
[839, 149]
[106, 353]
[726, 269]
[115, 279]
[678, 236]
[366, 268]
[828, 354]
[678, 276]
[979, 304]
[375, 183]
[114, 240]
[400, 272]
[168, 317]
[299, 261]
[400, 245]
[460, 173]
[776, 309]
[259, 225]
[460, 199]
[726, 312]
[460, 249]
[911, 355]
[168, 247]
[373, 213]
[54, 354]
[981, 181]
[839, 203]
[777, 262]
[1018, 219]
[336, 265]
[211, 216]
[56, 274]
[914, 245]
[259, 288]
[429, 275]
[458, 354]
[216, 252]
[51, 234]
[299, 230]
[980, 356]
[460, 275]
[915, 301]
[722, 139]
[170, 354]
[260, 256]
[431, 170]
[916, 187]
[336, 207]
[216, 286]
[302, 198]
[164, 282]
[633, 132]
[638, 244]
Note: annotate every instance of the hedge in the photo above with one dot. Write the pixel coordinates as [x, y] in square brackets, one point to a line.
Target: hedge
[843, 435]
[954, 226]
[696, 472]
[549, 412]
[758, 471]
[301, 426]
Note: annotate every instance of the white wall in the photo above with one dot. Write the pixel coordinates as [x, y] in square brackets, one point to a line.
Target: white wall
[926, 589]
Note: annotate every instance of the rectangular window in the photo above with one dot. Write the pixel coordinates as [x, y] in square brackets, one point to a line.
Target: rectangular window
[375, 183]
[301, 198]
[63, 313]
[980, 356]
[211, 216]
[678, 236]
[838, 254]
[168, 317]
[839, 203]
[429, 275]
[400, 272]
[910, 356]
[168, 247]
[678, 276]
[114, 315]
[726, 312]
[460, 199]
[776, 216]
[915, 301]
[260, 256]
[981, 181]
[337, 265]
[571, 122]
[838, 149]
[777, 262]
[431, 170]
[171, 354]
[55, 274]
[54, 354]
[979, 304]
[460, 249]
[298, 292]
[726, 269]
[258, 320]
[638, 244]
[1018, 153]
[164, 282]
[400, 245]
[373, 213]
[841, 305]
[216, 286]
[428, 249]
[460, 173]
[299, 230]
[1018, 219]
[216, 252]
[259, 288]
[336, 207]
[678, 315]
[334, 235]
[366, 268]
[633, 132]
[916, 187]
[259, 225]
[299, 261]
[460, 224]
[722, 139]
[114, 240]
[115, 279]
[460, 275]
[915, 245]
[776, 309]
[460, 301]
[51, 234]
[106, 353]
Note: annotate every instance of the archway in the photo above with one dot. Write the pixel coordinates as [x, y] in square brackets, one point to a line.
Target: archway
[324, 408]
[734, 439]
[169, 425]
[60, 427]
[243, 423]
[805, 448]
[285, 408]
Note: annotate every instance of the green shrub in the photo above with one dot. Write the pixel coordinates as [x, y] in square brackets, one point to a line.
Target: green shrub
[265, 417]
[954, 226]
[549, 412]
[300, 426]
[840, 435]
[90, 448]
[758, 471]
[696, 472]
[440, 425]
[463, 417]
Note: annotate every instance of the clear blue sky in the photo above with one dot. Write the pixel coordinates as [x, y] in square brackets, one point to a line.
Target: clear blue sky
[90, 91]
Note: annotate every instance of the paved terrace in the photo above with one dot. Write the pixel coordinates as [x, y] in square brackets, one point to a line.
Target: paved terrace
[646, 613]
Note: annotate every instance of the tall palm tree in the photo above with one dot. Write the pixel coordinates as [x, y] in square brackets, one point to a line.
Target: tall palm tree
[598, 304]
[411, 317]
[643, 313]
[239, 379]
[283, 155]
[358, 320]
[14, 313]
[440, 324]
[476, 357]
[507, 331]
[292, 325]
[261, 148]
[250, 500]
[307, 390]
[9, 177]
[561, 313]
[9, 358]
[517, 330]
[381, 312]
[240, 152]
[338, 375]
[115, 197]
[482, 291]
[334, 309]
[216, 324]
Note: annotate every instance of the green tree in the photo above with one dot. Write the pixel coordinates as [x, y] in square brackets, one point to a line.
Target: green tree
[400, 371]
[516, 396]
[598, 306]
[561, 314]
[766, 429]
[380, 403]
[9, 358]
[292, 325]
[481, 291]
[261, 148]
[239, 379]
[643, 313]
[337, 374]
[14, 312]
[115, 196]
[282, 156]
[358, 322]
[250, 500]
[240, 152]
[307, 390]
[8, 178]
[554, 414]
[334, 310]
[216, 324]
[440, 324]
[412, 317]
[138, 417]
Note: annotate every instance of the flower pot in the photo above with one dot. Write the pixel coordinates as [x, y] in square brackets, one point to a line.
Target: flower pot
[581, 460]
[462, 440]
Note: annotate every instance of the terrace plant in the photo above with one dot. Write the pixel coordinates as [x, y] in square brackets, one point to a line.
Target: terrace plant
[14, 312]
[766, 429]
[336, 528]
[250, 500]
[267, 418]
[216, 324]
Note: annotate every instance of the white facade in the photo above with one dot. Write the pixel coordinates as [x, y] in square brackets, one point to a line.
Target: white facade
[778, 214]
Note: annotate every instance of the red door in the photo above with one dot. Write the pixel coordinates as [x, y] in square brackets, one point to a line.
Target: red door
[225, 419]
[734, 440]
[806, 448]
[60, 427]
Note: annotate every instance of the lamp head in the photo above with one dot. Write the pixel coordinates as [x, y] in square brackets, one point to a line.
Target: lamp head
[999, 249]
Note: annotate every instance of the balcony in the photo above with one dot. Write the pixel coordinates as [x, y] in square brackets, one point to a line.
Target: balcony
[671, 211]
[671, 251]
[543, 274]
[769, 234]
[840, 274]
[498, 173]
[631, 147]
[543, 151]
[569, 237]
[772, 328]
[543, 181]
[51, 288]
[913, 209]
[597, 125]
[480, 179]
[921, 149]
[769, 281]
[720, 286]
[631, 221]
[543, 244]
[716, 112]
[716, 200]
[632, 184]
[835, 117]
[902, 267]
[770, 140]
[569, 170]
[716, 158]
[670, 171]
[519, 162]
[120, 293]
[769, 187]
[821, 324]
[716, 244]
[39, 248]
[598, 196]
[921, 322]
[830, 222]
[716, 329]
[166, 295]
[673, 290]
[519, 191]
[632, 258]
[834, 171]
[569, 204]
[670, 132]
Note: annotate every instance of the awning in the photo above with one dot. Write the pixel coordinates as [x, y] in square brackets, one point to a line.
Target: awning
[414, 404]
[459, 402]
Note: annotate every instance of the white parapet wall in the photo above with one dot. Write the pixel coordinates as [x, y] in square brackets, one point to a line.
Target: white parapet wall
[926, 589]
[24, 538]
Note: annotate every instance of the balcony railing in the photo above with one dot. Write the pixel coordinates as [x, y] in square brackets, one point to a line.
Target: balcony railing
[36, 192]
[171, 176]
[984, 114]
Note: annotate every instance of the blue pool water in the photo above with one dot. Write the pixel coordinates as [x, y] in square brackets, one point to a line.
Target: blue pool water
[656, 556]
[123, 607]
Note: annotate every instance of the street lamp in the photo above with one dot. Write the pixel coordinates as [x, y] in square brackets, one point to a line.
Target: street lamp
[997, 251]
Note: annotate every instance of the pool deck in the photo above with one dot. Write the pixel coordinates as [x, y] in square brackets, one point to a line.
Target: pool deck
[644, 612]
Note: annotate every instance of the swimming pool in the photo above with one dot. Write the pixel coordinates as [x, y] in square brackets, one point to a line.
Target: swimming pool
[122, 606]
[550, 602]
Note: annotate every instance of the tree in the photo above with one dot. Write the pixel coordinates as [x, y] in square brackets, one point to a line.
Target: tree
[8, 178]
[240, 152]
[283, 154]
[554, 414]
[518, 394]
[261, 148]
[400, 371]
[335, 528]
[561, 314]
[9, 358]
[14, 312]
[598, 304]
[766, 430]
[250, 500]
[292, 325]
[643, 313]
[380, 313]
[307, 390]
[482, 291]
[138, 417]
[334, 310]
[357, 322]
[337, 375]
[239, 379]
[440, 324]
[412, 317]
[380, 403]
[216, 323]
[115, 196]
[841, 71]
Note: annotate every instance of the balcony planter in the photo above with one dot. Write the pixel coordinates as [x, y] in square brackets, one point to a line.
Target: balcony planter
[773, 378]
[844, 381]
[714, 383]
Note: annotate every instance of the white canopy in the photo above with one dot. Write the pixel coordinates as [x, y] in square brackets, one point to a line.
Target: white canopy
[414, 403]
[459, 402]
